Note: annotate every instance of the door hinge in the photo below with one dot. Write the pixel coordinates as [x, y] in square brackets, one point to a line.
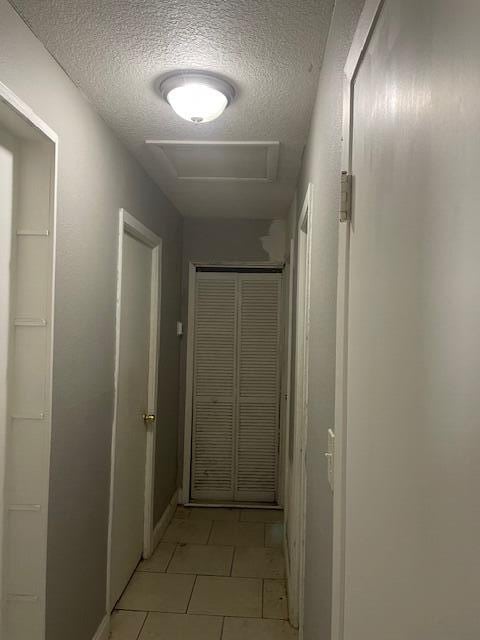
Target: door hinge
[346, 197]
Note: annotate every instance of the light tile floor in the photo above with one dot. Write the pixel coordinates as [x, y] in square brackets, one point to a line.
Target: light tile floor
[218, 574]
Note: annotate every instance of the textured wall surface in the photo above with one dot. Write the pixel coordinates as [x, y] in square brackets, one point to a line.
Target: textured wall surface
[96, 177]
[213, 239]
[271, 50]
[321, 166]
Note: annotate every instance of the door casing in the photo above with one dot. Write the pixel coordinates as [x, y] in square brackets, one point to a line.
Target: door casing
[128, 223]
[360, 42]
[23, 458]
[297, 490]
[287, 372]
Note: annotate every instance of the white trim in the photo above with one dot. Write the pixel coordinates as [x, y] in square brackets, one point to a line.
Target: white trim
[139, 230]
[363, 32]
[130, 224]
[165, 520]
[284, 381]
[272, 148]
[115, 402]
[296, 565]
[23, 111]
[361, 38]
[266, 506]
[187, 432]
[103, 631]
[225, 143]
[288, 382]
[234, 264]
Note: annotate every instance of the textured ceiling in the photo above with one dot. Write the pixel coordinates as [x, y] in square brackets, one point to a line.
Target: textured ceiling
[271, 50]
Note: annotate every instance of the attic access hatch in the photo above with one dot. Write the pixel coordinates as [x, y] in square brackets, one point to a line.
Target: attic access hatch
[218, 161]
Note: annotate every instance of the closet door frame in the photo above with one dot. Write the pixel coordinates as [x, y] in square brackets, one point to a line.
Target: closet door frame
[184, 495]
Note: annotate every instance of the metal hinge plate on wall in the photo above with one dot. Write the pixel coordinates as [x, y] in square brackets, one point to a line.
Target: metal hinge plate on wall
[346, 197]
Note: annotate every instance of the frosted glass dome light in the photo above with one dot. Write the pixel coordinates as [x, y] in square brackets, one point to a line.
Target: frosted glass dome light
[197, 97]
[197, 103]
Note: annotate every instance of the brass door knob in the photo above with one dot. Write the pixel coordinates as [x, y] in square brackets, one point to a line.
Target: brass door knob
[148, 417]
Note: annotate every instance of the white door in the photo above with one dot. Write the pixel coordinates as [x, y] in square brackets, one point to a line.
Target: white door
[236, 386]
[409, 409]
[214, 383]
[258, 387]
[128, 509]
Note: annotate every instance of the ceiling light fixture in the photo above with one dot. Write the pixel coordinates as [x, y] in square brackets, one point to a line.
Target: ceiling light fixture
[197, 97]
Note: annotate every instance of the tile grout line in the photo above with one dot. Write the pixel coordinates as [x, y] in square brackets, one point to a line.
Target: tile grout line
[171, 557]
[143, 624]
[223, 627]
[210, 531]
[263, 597]
[233, 560]
[191, 594]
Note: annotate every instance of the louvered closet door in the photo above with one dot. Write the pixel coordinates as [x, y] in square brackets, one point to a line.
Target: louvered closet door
[258, 370]
[214, 386]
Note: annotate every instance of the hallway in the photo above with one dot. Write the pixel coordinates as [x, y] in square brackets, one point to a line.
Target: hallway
[217, 574]
[239, 268]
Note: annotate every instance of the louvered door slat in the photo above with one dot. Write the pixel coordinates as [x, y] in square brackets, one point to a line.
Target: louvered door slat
[258, 393]
[214, 387]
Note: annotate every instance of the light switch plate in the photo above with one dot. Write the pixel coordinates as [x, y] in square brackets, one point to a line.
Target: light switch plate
[179, 328]
[330, 455]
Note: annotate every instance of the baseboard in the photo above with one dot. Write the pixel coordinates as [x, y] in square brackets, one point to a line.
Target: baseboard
[234, 505]
[103, 630]
[164, 521]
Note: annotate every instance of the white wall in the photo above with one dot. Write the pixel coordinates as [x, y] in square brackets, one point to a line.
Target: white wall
[321, 166]
[97, 176]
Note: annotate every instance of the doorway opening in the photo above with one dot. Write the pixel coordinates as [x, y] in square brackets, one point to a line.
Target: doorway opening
[136, 380]
[27, 248]
[232, 415]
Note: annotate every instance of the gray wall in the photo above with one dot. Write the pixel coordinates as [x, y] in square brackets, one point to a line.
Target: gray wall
[96, 177]
[222, 240]
[321, 166]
